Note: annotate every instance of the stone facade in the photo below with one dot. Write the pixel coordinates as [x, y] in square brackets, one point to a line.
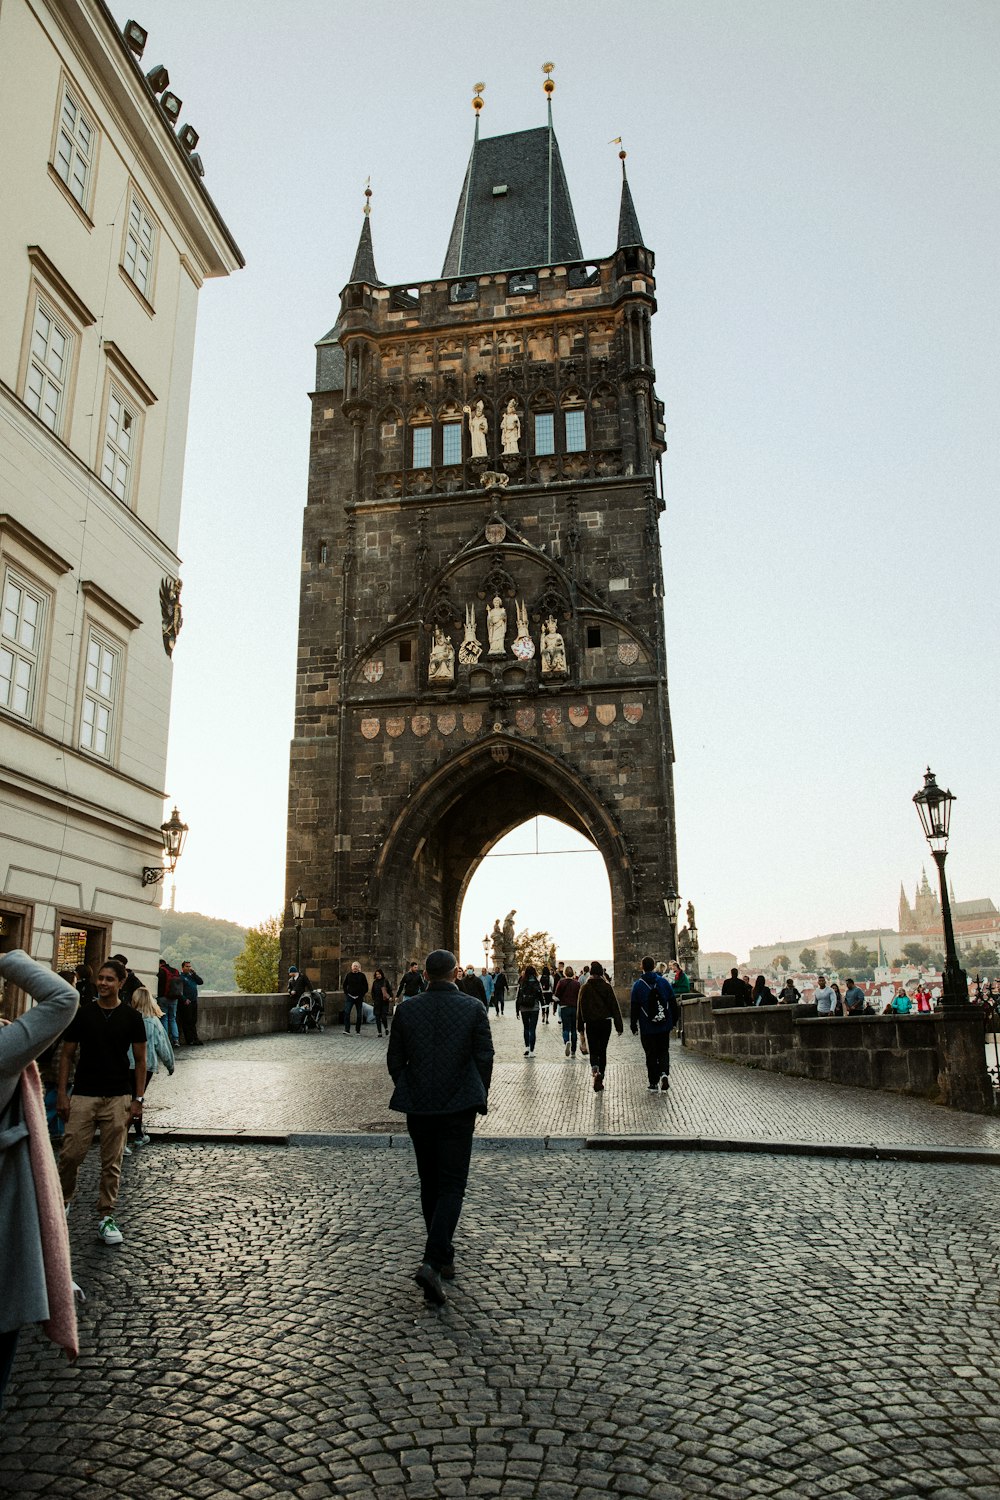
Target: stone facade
[405, 771]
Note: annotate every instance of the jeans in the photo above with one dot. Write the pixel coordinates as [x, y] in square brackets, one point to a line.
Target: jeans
[567, 1014]
[529, 1020]
[656, 1046]
[169, 1009]
[443, 1148]
[350, 1005]
[598, 1036]
[86, 1113]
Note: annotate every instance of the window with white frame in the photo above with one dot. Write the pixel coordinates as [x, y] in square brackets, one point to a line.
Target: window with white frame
[120, 432]
[421, 448]
[140, 240]
[48, 366]
[21, 618]
[545, 438]
[576, 430]
[451, 442]
[74, 153]
[100, 687]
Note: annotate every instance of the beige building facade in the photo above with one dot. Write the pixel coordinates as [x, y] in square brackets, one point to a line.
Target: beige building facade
[106, 236]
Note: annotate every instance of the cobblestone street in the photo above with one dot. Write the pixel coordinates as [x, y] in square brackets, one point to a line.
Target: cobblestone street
[332, 1083]
[648, 1324]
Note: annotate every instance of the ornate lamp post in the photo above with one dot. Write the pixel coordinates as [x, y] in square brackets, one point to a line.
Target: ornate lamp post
[173, 833]
[299, 904]
[672, 905]
[934, 807]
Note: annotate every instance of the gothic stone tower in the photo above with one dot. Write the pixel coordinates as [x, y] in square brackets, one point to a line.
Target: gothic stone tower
[481, 627]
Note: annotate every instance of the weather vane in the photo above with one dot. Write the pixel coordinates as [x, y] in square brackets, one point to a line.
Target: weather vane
[548, 69]
[477, 100]
[368, 195]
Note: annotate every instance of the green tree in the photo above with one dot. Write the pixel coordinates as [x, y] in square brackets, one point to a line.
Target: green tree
[210, 943]
[916, 954]
[532, 948]
[980, 957]
[861, 957]
[781, 961]
[807, 958]
[257, 966]
[839, 959]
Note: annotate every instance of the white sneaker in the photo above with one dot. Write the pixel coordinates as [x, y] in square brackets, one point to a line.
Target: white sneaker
[568, 1049]
[108, 1231]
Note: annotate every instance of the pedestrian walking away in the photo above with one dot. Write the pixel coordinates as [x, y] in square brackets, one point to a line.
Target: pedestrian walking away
[653, 1011]
[381, 1001]
[527, 1003]
[499, 991]
[440, 1058]
[545, 981]
[355, 990]
[187, 1011]
[567, 994]
[597, 1011]
[103, 1094]
[169, 993]
[158, 1050]
[34, 1243]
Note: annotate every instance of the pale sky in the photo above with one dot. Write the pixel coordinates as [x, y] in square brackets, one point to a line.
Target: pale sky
[818, 182]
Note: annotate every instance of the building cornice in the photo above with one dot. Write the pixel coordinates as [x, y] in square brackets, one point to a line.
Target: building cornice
[58, 282]
[128, 369]
[111, 606]
[41, 550]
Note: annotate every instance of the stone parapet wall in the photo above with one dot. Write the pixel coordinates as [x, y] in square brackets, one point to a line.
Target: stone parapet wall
[937, 1057]
[222, 1017]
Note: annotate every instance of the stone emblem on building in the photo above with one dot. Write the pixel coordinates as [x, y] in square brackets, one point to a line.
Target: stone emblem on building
[446, 723]
[373, 671]
[579, 713]
[606, 713]
[394, 727]
[523, 647]
[472, 723]
[552, 717]
[495, 532]
[628, 653]
[420, 724]
[525, 719]
[369, 728]
[171, 612]
[632, 712]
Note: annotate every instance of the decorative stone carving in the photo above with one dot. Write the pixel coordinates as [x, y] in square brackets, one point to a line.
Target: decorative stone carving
[688, 945]
[369, 728]
[496, 625]
[491, 480]
[478, 427]
[510, 428]
[628, 653]
[495, 532]
[373, 671]
[441, 668]
[472, 723]
[500, 753]
[523, 647]
[524, 718]
[394, 727]
[470, 650]
[509, 951]
[497, 944]
[579, 713]
[606, 713]
[552, 717]
[420, 724]
[632, 712]
[446, 723]
[170, 610]
[553, 650]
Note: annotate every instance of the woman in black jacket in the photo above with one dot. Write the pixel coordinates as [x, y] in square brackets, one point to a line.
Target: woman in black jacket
[381, 1000]
[527, 1005]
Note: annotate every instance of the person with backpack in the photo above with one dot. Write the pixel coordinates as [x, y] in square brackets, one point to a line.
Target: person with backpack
[527, 1004]
[653, 1013]
[169, 992]
[545, 980]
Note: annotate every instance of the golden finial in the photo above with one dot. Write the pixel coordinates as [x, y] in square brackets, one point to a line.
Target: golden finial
[368, 195]
[548, 69]
[477, 101]
[622, 153]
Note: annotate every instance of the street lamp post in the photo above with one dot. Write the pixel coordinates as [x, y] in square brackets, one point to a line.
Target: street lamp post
[934, 808]
[299, 904]
[672, 905]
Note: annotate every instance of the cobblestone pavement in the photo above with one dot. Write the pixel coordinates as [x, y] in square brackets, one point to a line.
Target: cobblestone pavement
[654, 1325]
[330, 1082]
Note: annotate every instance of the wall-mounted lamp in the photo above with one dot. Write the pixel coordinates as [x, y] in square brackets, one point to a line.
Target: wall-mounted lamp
[173, 833]
[135, 37]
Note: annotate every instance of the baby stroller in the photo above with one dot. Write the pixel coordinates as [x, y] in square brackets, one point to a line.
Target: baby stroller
[307, 1015]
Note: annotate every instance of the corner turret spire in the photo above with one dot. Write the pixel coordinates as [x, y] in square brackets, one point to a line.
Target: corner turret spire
[364, 262]
[629, 232]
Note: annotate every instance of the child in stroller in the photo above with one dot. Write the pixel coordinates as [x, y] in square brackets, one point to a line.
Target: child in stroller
[307, 1012]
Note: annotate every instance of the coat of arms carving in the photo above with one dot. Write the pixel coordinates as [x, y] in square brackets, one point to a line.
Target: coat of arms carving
[369, 728]
[420, 724]
[606, 713]
[394, 728]
[495, 533]
[373, 671]
[632, 712]
[525, 719]
[446, 723]
[579, 713]
[551, 717]
[472, 723]
[628, 653]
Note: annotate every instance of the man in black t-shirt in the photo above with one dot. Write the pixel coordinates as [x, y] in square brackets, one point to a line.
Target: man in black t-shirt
[102, 1033]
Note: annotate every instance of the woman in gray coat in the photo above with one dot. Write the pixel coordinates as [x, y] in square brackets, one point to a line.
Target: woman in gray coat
[34, 1245]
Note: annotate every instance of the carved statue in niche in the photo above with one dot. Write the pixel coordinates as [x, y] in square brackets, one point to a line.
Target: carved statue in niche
[170, 610]
[553, 650]
[441, 668]
[496, 625]
[470, 650]
[523, 647]
[510, 428]
[477, 429]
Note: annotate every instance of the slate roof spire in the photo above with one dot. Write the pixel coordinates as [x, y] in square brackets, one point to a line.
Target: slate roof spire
[514, 210]
[364, 262]
[629, 232]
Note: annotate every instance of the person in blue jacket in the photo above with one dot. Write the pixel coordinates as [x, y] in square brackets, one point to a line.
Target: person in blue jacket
[654, 1015]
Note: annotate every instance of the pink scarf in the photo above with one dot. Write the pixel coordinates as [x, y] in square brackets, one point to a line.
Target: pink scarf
[61, 1324]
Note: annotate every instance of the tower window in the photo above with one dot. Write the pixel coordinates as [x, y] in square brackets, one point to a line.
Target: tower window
[421, 448]
[451, 444]
[74, 153]
[593, 637]
[522, 284]
[576, 431]
[322, 553]
[545, 441]
[405, 652]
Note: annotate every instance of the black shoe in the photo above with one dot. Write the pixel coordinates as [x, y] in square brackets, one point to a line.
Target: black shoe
[448, 1272]
[430, 1280]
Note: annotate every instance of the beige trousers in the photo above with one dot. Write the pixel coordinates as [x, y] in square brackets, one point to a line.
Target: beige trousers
[87, 1113]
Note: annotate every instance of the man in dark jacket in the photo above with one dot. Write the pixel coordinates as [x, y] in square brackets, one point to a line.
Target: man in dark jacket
[738, 991]
[440, 1056]
[188, 1012]
[471, 984]
[411, 983]
[169, 991]
[654, 1014]
[355, 990]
